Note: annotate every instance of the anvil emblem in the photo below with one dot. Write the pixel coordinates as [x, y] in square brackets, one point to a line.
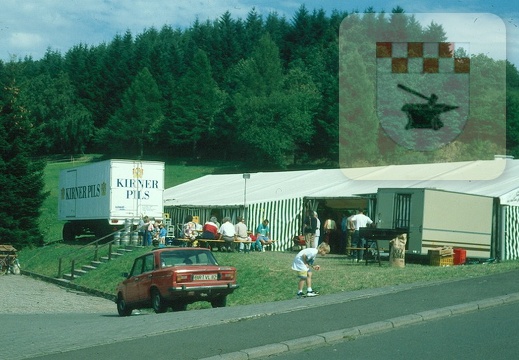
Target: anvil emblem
[425, 115]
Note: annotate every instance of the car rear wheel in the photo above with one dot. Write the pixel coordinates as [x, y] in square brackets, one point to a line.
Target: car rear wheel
[157, 302]
[122, 307]
[219, 302]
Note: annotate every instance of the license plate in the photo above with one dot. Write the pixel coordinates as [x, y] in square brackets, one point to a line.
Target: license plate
[206, 277]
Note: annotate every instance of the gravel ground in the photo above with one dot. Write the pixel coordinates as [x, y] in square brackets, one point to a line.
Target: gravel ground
[25, 295]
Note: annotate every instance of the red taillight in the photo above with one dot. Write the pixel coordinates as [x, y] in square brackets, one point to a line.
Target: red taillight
[181, 278]
[227, 276]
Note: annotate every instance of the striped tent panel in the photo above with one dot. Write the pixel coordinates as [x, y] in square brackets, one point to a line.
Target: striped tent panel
[511, 233]
[284, 218]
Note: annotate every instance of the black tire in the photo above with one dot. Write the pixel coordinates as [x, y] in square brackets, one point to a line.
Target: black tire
[69, 233]
[219, 302]
[157, 302]
[122, 307]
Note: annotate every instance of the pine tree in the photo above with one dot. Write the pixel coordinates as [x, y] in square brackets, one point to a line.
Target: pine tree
[197, 102]
[135, 126]
[21, 177]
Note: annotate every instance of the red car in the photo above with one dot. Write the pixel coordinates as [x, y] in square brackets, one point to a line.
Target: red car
[175, 277]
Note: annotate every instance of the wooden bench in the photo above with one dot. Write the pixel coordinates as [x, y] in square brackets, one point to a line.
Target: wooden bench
[247, 249]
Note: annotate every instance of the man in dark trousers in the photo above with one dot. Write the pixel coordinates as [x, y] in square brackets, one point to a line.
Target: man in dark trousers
[309, 227]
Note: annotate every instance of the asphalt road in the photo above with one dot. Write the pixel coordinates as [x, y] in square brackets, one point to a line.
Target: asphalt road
[486, 334]
[255, 331]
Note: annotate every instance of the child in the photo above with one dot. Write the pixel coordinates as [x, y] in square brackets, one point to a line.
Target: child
[304, 263]
[162, 234]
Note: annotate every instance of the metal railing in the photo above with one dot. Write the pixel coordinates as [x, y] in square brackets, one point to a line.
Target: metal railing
[84, 249]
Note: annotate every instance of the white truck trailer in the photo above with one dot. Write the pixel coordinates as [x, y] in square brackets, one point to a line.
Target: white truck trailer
[103, 197]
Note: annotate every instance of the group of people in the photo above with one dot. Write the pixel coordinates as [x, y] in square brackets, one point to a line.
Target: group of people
[346, 241]
[151, 231]
[229, 233]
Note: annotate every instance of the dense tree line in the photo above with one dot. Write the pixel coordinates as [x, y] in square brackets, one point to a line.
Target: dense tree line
[267, 90]
[264, 89]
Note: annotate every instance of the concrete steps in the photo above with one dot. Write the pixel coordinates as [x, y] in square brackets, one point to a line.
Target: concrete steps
[78, 272]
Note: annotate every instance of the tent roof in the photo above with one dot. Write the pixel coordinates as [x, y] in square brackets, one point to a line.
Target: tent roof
[495, 178]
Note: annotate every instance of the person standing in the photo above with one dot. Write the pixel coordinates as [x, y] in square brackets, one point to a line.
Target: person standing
[359, 221]
[330, 229]
[148, 232]
[141, 229]
[162, 234]
[309, 227]
[317, 230]
[343, 241]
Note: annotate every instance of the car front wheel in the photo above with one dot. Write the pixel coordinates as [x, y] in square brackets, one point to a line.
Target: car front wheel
[157, 302]
[122, 308]
[219, 302]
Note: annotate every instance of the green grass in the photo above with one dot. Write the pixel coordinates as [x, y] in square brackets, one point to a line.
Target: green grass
[266, 276]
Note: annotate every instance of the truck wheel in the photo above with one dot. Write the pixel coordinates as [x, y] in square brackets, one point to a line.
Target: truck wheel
[122, 308]
[69, 233]
[219, 302]
[100, 230]
[157, 302]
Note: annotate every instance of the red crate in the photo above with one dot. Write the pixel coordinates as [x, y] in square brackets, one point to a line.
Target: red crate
[460, 256]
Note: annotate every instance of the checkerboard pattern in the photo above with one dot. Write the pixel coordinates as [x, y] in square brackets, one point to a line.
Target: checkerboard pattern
[422, 57]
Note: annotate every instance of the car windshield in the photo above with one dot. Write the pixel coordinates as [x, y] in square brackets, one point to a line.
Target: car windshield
[187, 257]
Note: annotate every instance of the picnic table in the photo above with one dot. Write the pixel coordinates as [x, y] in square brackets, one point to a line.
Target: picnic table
[201, 240]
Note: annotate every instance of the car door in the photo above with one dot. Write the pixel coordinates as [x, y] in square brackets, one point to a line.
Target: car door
[145, 279]
[132, 284]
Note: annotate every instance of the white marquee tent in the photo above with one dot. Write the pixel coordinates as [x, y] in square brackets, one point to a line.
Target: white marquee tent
[281, 197]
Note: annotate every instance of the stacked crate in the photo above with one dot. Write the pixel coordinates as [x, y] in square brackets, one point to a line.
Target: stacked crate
[441, 256]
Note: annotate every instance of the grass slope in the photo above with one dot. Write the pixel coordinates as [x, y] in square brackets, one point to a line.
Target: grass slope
[264, 276]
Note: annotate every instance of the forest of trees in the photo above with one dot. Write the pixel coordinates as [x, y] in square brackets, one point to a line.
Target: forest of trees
[267, 91]
[260, 89]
